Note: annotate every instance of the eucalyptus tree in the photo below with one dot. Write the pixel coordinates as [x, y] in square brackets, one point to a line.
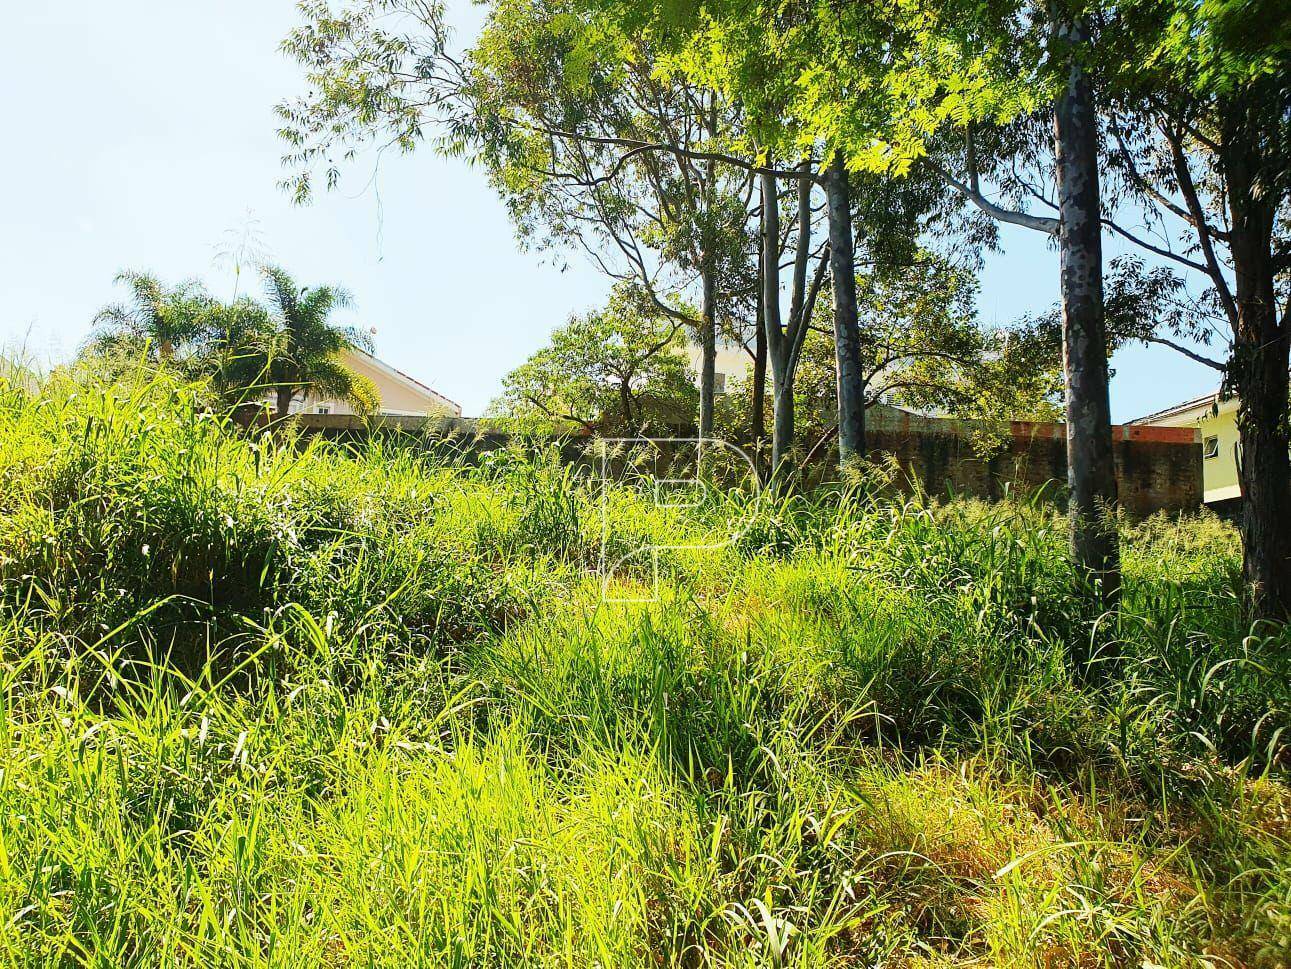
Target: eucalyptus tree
[1199, 134]
[590, 143]
[594, 131]
[759, 59]
[895, 86]
[785, 338]
[888, 87]
[972, 68]
[587, 144]
[301, 351]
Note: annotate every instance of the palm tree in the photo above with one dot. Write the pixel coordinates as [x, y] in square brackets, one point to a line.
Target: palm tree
[305, 347]
[239, 336]
[159, 321]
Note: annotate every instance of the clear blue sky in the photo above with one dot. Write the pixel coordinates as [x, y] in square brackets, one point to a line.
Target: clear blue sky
[141, 132]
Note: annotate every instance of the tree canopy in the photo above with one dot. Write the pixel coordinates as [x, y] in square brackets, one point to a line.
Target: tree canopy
[244, 348]
[620, 370]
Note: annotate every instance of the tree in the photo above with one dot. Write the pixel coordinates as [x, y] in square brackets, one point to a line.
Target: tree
[164, 324]
[1199, 136]
[889, 90]
[819, 81]
[597, 132]
[558, 103]
[761, 62]
[239, 337]
[784, 341]
[302, 349]
[1000, 70]
[619, 370]
[926, 349]
[584, 140]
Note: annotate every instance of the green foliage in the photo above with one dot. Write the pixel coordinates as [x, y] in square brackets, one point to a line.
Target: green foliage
[364, 79]
[301, 350]
[620, 370]
[924, 348]
[568, 116]
[158, 323]
[266, 701]
[244, 348]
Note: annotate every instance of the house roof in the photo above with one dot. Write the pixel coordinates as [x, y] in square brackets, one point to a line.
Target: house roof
[416, 384]
[1197, 403]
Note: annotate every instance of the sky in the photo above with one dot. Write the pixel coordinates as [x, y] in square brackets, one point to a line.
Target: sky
[141, 136]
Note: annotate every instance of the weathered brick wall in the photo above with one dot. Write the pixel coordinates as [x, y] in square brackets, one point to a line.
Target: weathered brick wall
[1157, 468]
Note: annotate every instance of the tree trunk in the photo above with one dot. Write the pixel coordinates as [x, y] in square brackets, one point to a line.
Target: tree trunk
[1265, 474]
[782, 432]
[847, 336]
[757, 419]
[708, 311]
[625, 405]
[284, 395]
[1091, 473]
[1261, 350]
[778, 346]
[708, 348]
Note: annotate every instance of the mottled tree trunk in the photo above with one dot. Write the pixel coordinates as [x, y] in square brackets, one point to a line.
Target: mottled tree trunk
[708, 308]
[1261, 349]
[777, 345]
[757, 419]
[1091, 473]
[847, 336]
[782, 433]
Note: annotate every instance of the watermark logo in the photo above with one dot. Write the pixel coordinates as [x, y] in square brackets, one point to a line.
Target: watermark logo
[678, 474]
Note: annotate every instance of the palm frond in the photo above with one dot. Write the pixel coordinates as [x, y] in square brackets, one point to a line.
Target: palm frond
[335, 380]
[283, 292]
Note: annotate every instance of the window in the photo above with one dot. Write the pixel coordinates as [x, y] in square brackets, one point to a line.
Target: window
[324, 409]
[1210, 447]
[719, 382]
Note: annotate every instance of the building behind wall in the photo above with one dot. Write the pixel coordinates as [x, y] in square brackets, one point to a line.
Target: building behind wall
[401, 396]
[1215, 420]
[733, 363]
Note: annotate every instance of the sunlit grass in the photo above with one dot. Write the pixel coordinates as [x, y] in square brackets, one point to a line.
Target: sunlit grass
[277, 703]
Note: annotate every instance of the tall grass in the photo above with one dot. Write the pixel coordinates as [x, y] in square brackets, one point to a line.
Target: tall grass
[270, 701]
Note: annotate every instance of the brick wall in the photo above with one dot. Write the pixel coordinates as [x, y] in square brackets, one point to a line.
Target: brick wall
[1157, 468]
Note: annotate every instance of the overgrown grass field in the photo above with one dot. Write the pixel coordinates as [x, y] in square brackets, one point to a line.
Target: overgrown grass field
[269, 702]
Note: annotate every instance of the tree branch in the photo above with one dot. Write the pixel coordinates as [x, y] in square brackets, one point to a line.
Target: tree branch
[1184, 174]
[635, 143]
[1039, 223]
[1163, 253]
[1191, 354]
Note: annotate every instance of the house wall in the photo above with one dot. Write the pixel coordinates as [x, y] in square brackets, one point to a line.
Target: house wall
[732, 361]
[397, 396]
[1219, 473]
